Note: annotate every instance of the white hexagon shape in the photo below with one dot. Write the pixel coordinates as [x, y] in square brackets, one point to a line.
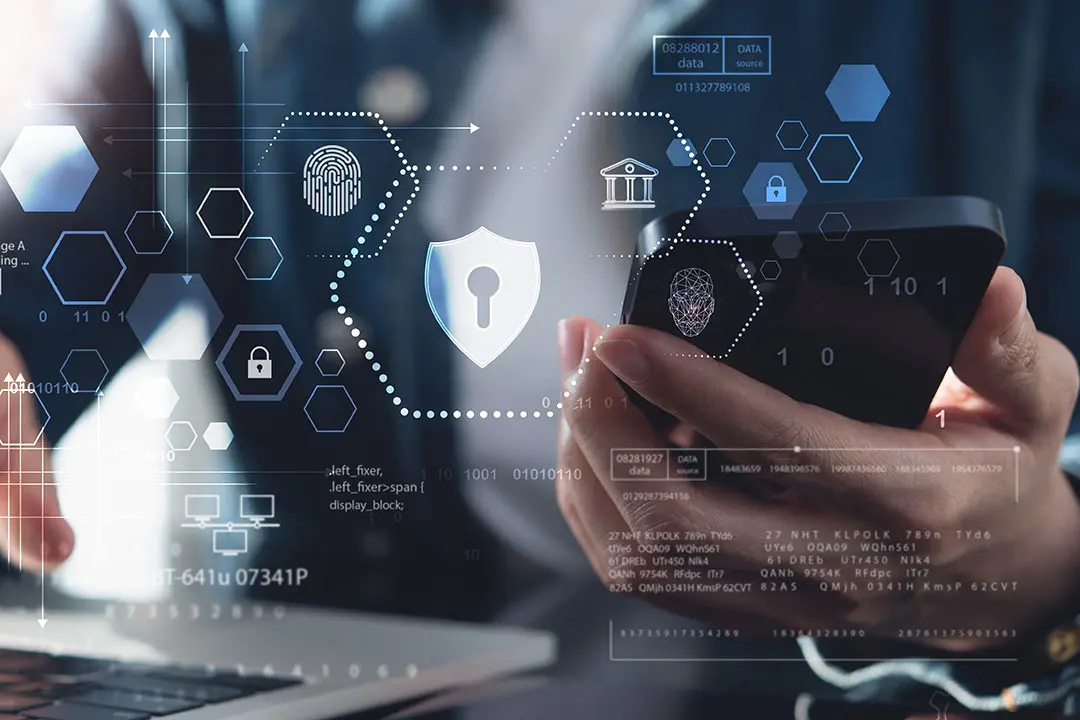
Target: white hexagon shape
[181, 436]
[223, 197]
[218, 436]
[49, 168]
[157, 397]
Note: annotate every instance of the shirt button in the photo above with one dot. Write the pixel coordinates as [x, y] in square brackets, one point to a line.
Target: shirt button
[397, 93]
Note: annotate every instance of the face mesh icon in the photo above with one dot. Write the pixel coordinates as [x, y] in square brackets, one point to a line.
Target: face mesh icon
[691, 302]
[332, 180]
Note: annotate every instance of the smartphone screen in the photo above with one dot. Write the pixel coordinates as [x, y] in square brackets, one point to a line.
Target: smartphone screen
[865, 325]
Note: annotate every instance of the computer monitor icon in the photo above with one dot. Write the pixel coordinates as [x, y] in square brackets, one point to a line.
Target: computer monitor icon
[257, 508]
[202, 508]
[230, 543]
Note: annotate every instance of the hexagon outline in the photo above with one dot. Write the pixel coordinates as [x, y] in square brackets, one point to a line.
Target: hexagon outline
[100, 359]
[257, 397]
[810, 158]
[846, 222]
[47, 416]
[352, 402]
[198, 213]
[335, 351]
[806, 135]
[705, 152]
[127, 232]
[232, 435]
[896, 257]
[17, 181]
[116, 281]
[194, 435]
[779, 269]
[236, 258]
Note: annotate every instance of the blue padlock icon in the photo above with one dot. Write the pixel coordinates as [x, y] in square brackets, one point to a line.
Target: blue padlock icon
[776, 192]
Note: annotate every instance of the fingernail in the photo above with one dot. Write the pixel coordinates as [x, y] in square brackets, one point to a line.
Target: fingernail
[571, 344]
[1010, 334]
[59, 540]
[624, 358]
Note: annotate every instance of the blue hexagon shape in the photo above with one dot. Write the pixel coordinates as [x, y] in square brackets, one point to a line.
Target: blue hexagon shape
[330, 362]
[258, 258]
[834, 158]
[159, 297]
[770, 270]
[857, 93]
[330, 408]
[834, 226]
[149, 232]
[49, 168]
[787, 245]
[85, 370]
[231, 382]
[792, 135]
[756, 190]
[84, 267]
[681, 152]
[19, 404]
[719, 152]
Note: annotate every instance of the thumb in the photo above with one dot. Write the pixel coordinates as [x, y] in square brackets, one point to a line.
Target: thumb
[1029, 376]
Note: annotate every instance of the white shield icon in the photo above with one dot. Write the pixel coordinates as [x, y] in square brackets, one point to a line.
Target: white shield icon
[482, 288]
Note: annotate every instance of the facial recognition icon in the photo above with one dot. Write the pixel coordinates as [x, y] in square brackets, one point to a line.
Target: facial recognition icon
[260, 366]
[332, 180]
[776, 190]
[482, 289]
[623, 190]
[691, 302]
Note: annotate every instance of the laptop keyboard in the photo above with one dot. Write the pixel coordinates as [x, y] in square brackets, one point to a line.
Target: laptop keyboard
[62, 687]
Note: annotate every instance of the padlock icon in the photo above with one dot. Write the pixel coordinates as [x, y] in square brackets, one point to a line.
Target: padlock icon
[259, 368]
[776, 193]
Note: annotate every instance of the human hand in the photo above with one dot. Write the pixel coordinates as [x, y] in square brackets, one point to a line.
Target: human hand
[33, 534]
[1012, 387]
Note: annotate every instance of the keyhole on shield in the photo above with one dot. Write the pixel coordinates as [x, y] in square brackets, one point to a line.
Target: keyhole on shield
[483, 283]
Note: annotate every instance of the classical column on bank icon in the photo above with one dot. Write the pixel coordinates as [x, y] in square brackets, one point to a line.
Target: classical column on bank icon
[624, 191]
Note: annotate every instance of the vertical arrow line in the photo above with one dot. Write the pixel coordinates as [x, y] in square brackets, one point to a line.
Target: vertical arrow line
[8, 466]
[187, 182]
[97, 476]
[19, 450]
[42, 621]
[243, 114]
[154, 111]
[165, 121]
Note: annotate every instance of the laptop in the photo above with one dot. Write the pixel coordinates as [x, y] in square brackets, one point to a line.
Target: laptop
[244, 662]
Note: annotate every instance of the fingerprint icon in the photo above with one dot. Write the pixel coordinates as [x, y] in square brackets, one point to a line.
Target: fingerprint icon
[332, 180]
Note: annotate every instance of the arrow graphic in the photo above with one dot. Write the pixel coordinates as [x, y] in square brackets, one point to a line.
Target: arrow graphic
[42, 620]
[153, 114]
[130, 173]
[243, 113]
[164, 119]
[187, 191]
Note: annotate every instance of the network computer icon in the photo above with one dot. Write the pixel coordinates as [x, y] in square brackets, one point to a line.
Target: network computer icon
[257, 508]
[230, 543]
[202, 508]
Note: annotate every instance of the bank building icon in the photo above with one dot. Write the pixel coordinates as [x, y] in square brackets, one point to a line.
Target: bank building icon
[629, 185]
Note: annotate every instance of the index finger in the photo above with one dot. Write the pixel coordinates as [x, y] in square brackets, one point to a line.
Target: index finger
[749, 421]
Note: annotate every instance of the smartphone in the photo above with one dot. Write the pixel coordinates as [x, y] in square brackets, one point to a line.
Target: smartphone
[857, 307]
